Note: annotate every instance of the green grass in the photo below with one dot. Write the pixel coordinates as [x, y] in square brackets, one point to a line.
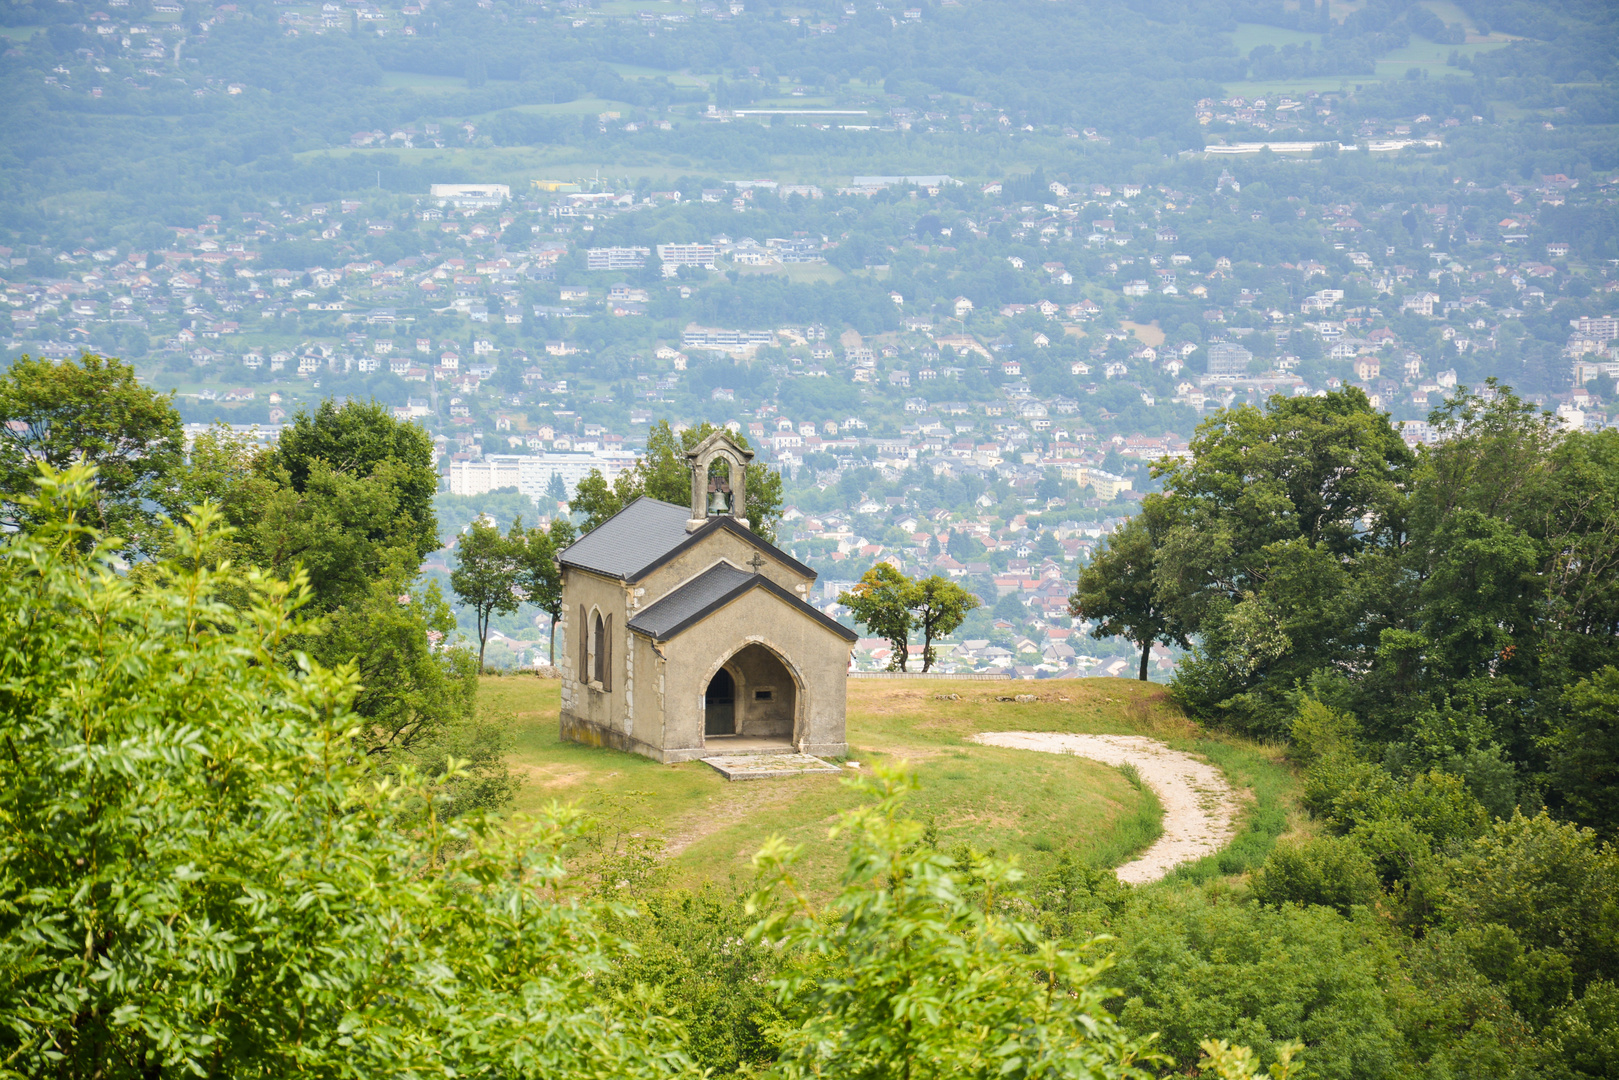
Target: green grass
[585, 106]
[407, 80]
[19, 33]
[676, 78]
[1030, 805]
[1248, 36]
[1420, 53]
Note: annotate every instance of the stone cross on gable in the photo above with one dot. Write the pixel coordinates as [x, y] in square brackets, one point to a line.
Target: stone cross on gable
[756, 562]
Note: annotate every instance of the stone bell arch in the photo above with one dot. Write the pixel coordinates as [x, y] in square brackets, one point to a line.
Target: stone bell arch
[723, 497]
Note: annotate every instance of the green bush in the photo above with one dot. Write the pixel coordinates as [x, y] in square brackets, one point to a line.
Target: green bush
[200, 874]
[1326, 870]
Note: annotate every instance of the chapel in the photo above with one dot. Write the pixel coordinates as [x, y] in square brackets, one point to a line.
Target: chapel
[688, 635]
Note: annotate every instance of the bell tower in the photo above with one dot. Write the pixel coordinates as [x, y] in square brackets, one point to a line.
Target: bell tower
[718, 493]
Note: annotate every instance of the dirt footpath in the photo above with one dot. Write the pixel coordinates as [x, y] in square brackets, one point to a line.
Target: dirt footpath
[1200, 809]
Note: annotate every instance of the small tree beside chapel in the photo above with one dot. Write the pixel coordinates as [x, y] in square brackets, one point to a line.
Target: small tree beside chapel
[890, 605]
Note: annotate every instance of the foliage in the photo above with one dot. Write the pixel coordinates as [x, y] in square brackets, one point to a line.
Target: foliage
[664, 473]
[363, 440]
[1451, 608]
[1117, 590]
[891, 605]
[90, 410]
[903, 976]
[1319, 730]
[1552, 884]
[1584, 752]
[938, 606]
[1327, 870]
[881, 600]
[1266, 527]
[343, 529]
[416, 691]
[715, 978]
[539, 574]
[199, 877]
[485, 575]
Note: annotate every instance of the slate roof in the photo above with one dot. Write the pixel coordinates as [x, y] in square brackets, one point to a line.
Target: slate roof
[712, 585]
[711, 590]
[647, 533]
[637, 536]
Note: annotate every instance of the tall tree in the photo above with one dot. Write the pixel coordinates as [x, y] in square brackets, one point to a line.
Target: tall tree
[938, 605]
[539, 575]
[94, 411]
[486, 574]
[881, 600]
[1117, 590]
[1272, 529]
[361, 439]
[356, 551]
[663, 473]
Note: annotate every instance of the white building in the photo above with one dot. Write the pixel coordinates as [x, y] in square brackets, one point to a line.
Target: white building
[531, 473]
[674, 256]
[471, 196]
[616, 258]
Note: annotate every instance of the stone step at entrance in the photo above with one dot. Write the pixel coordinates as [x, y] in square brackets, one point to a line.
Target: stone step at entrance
[768, 766]
[740, 745]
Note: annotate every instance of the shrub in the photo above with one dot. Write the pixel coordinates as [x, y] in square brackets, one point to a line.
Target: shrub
[1327, 870]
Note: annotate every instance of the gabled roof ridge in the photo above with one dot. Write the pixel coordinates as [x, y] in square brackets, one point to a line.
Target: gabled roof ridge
[696, 589]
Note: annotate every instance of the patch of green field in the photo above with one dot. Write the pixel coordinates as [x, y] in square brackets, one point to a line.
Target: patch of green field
[410, 80]
[676, 78]
[810, 273]
[635, 7]
[585, 106]
[1423, 53]
[1022, 803]
[19, 33]
[1249, 36]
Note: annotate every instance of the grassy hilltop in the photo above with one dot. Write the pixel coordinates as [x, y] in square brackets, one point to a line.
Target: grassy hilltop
[1034, 805]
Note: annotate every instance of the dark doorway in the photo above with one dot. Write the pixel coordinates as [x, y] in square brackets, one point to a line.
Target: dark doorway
[719, 705]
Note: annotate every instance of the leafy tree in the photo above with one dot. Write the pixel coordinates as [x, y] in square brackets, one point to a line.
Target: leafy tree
[486, 574]
[1552, 884]
[1326, 870]
[417, 692]
[200, 878]
[555, 489]
[1584, 751]
[938, 605]
[340, 528]
[664, 473]
[965, 991]
[1117, 589]
[539, 575]
[881, 600]
[363, 440]
[1259, 551]
[91, 410]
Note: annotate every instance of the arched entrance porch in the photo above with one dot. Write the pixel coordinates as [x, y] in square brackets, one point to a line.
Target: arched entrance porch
[751, 698]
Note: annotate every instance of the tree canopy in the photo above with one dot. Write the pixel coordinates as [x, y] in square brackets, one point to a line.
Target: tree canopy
[1460, 601]
[90, 410]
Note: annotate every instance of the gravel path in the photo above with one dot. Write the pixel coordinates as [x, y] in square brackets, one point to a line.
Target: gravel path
[1200, 809]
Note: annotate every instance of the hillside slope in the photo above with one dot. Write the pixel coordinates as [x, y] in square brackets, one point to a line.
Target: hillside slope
[1036, 806]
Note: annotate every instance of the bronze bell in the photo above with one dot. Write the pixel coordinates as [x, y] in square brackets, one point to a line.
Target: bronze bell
[719, 496]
